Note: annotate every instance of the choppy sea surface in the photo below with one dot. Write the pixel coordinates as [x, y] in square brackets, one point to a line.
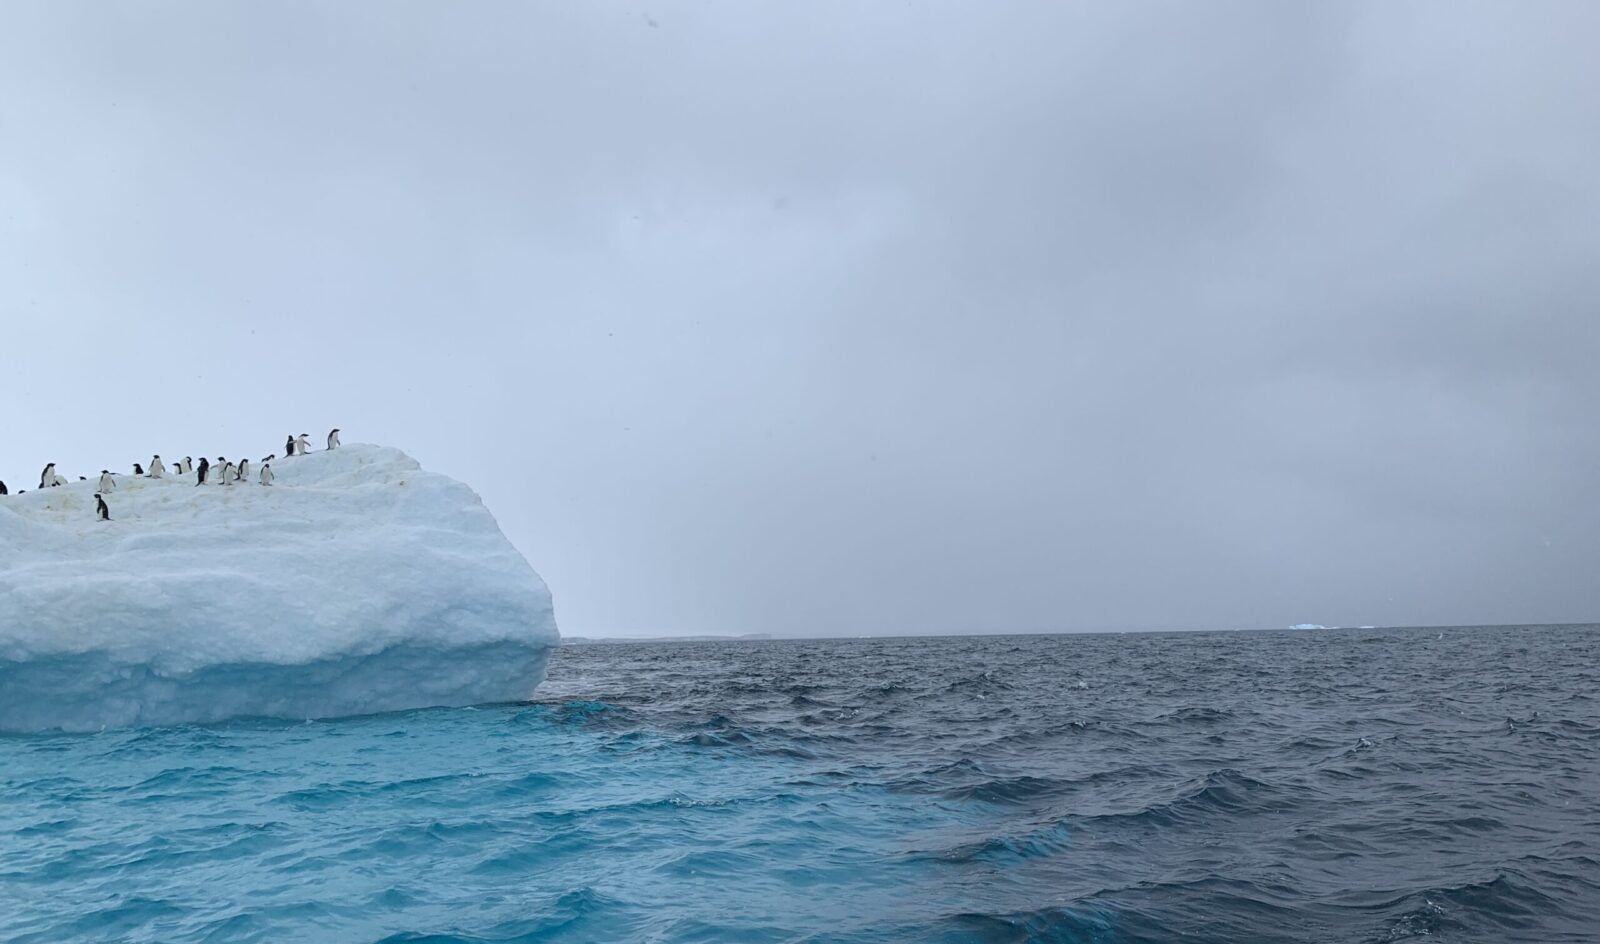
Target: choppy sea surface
[1340, 785]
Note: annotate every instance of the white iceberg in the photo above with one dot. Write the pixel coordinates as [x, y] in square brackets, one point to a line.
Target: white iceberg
[355, 583]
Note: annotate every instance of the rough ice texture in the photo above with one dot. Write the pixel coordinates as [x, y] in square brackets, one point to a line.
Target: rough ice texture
[355, 583]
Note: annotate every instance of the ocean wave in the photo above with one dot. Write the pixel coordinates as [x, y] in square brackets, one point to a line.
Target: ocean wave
[1506, 904]
[1043, 842]
[561, 919]
[1226, 792]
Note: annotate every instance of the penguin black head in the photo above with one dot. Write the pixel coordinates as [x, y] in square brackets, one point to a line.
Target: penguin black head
[105, 471]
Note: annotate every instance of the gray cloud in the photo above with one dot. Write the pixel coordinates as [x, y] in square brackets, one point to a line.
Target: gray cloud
[849, 318]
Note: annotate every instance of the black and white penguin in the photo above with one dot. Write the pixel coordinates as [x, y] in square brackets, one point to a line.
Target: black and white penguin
[268, 459]
[333, 438]
[302, 444]
[266, 473]
[288, 447]
[157, 470]
[243, 473]
[224, 470]
[138, 469]
[107, 483]
[47, 478]
[100, 509]
[3, 489]
[186, 466]
[205, 466]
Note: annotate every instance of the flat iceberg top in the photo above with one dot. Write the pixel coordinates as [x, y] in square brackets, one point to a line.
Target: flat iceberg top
[350, 553]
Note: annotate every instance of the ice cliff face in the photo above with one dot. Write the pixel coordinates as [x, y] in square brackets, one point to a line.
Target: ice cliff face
[355, 583]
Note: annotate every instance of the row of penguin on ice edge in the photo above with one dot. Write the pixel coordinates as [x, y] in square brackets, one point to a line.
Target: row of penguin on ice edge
[227, 473]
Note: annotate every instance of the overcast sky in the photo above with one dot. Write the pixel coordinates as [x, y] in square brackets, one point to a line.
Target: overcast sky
[848, 317]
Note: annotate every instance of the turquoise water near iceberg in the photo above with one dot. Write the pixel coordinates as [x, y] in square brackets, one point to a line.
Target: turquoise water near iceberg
[1338, 786]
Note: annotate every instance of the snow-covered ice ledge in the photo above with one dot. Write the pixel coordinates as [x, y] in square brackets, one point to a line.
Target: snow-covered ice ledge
[356, 583]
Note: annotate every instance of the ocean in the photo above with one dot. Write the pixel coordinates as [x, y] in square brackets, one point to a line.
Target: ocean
[1313, 786]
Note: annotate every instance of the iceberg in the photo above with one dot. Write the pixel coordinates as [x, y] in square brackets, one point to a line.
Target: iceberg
[356, 583]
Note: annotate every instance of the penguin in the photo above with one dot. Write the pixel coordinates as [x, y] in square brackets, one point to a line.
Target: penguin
[288, 447]
[302, 443]
[224, 471]
[138, 469]
[333, 438]
[3, 489]
[205, 466]
[156, 468]
[107, 483]
[268, 459]
[186, 466]
[266, 473]
[62, 480]
[47, 478]
[100, 509]
[83, 478]
[243, 473]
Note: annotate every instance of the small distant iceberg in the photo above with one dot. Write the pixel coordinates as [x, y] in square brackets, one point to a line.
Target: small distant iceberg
[356, 583]
[1308, 626]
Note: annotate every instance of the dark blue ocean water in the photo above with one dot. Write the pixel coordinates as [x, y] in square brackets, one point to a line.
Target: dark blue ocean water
[1350, 786]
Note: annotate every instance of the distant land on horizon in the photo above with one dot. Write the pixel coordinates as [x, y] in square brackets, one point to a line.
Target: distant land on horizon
[595, 640]
[1300, 627]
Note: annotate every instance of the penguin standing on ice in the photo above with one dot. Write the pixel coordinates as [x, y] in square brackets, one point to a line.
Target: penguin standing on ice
[138, 469]
[266, 473]
[186, 466]
[47, 478]
[243, 472]
[200, 478]
[157, 470]
[107, 483]
[333, 438]
[302, 444]
[224, 471]
[268, 459]
[3, 489]
[288, 446]
[100, 509]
